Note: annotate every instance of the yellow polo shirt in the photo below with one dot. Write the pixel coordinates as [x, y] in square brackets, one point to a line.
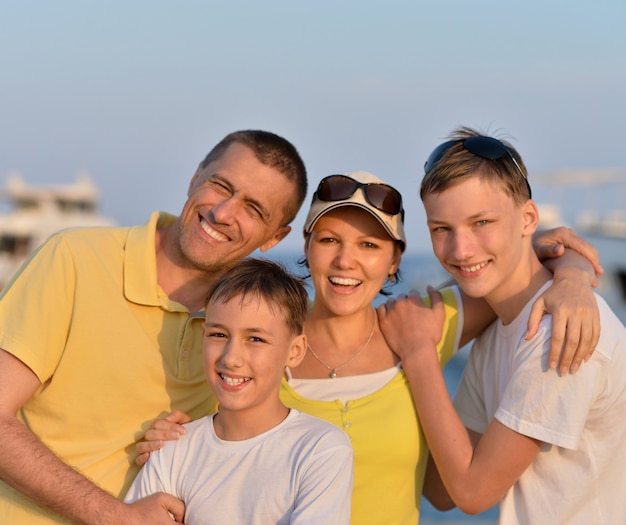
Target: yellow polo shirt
[112, 352]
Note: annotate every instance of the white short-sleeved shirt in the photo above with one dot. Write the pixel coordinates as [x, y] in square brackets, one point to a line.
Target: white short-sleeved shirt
[299, 472]
[579, 475]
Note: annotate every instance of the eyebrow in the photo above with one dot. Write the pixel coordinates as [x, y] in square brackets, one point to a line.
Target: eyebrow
[248, 329]
[472, 217]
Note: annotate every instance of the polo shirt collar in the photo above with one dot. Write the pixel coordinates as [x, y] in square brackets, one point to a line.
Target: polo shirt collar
[140, 272]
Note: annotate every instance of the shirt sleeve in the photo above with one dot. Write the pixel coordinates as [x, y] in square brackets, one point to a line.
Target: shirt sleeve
[150, 479]
[542, 404]
[36, 308]
[453, 324]
[325, 493]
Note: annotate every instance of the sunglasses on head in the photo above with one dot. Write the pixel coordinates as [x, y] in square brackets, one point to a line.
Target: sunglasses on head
[341, 187]
[481, 146]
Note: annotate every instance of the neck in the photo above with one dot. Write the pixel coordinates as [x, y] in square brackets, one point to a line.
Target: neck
[508, 300]
[339, 329]
[179, 279]
[238, 425]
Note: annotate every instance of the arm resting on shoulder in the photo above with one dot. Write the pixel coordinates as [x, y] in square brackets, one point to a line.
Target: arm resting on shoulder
[475, 477]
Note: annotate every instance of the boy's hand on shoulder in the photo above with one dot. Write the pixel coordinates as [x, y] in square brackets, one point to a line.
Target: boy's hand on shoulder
[170, 428]
[409, 325]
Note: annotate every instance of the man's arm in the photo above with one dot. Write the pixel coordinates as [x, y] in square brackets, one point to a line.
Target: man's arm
[31, 468]
[476, 478]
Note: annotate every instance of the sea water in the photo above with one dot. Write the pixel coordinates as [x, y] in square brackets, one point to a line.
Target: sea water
[418, 270]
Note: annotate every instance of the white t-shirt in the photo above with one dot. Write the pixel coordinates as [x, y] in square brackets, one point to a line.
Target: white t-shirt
[299, 472]
[579, 475]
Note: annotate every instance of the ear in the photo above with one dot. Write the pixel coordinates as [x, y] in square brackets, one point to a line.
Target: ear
[297, 351]
[530, 218]
[395, 261]
[276, 238]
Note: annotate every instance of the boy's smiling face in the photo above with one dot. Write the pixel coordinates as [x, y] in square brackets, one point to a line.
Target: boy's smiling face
[481, 236]
[246, 346]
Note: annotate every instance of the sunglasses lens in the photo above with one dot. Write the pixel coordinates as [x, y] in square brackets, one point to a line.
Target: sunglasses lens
[436, 155]
[384, 198]
[336, 188]
[485, 147]
[381, 196]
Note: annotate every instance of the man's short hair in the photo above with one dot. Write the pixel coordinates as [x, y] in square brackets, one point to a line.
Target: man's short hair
[271, 150]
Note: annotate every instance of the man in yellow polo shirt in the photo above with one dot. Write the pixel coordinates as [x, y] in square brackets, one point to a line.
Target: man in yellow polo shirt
[101, 330]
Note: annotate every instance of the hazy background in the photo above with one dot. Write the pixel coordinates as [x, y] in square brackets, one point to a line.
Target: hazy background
[137, 92]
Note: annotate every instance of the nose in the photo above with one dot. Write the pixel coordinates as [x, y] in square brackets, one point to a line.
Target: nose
[345, 256]
[224, 211]
[461, 245]
[232, 355]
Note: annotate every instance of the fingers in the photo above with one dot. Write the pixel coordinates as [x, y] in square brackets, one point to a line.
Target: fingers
[142, 459]
[178, 416]
[573, 341]
[549, 251]
[536, 313]
[570, 239]
[435, 296]
[175, 507]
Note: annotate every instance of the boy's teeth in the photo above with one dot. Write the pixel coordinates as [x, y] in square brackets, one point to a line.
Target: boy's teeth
[234, 381]
[474, 267]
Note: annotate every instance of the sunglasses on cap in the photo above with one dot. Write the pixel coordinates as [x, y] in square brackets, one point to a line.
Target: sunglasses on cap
[341, 187]
[481, 146]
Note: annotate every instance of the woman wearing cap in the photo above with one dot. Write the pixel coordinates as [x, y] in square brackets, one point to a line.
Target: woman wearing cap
[354, 239]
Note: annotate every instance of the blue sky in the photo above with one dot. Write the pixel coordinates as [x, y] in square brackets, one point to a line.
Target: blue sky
[136, 93]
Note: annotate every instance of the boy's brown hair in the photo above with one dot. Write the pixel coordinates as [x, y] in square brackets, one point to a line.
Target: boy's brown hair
[468, 153]
[268, 281]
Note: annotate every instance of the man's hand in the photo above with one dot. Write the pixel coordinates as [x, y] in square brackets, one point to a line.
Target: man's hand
[157, 509]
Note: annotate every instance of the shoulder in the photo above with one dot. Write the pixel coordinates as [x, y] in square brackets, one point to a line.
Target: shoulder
[316, 429]
[197, 434]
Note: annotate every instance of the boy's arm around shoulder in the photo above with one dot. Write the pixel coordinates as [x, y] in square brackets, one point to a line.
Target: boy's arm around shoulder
[476, 478]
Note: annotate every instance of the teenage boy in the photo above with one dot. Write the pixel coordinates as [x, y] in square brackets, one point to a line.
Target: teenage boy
[254, 461]
[549, 448]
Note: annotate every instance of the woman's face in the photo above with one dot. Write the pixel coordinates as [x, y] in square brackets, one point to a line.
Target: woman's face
[350, 256]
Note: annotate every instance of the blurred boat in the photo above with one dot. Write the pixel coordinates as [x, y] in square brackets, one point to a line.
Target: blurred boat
[596, 201]
[30, 214]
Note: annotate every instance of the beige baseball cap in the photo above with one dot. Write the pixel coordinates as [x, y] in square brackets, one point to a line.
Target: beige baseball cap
[393, 224]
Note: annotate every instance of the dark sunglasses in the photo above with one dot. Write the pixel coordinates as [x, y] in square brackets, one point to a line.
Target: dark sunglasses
[340, 187]
[481, 146]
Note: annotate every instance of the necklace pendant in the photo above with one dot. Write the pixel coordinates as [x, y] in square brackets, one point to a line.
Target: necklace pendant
[332, 374]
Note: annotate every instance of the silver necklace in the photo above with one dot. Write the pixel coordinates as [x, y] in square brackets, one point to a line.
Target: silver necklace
[333, 370]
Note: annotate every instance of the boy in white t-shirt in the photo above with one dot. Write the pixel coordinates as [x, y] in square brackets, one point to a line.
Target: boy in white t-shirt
[548, 448]
[254, 461]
